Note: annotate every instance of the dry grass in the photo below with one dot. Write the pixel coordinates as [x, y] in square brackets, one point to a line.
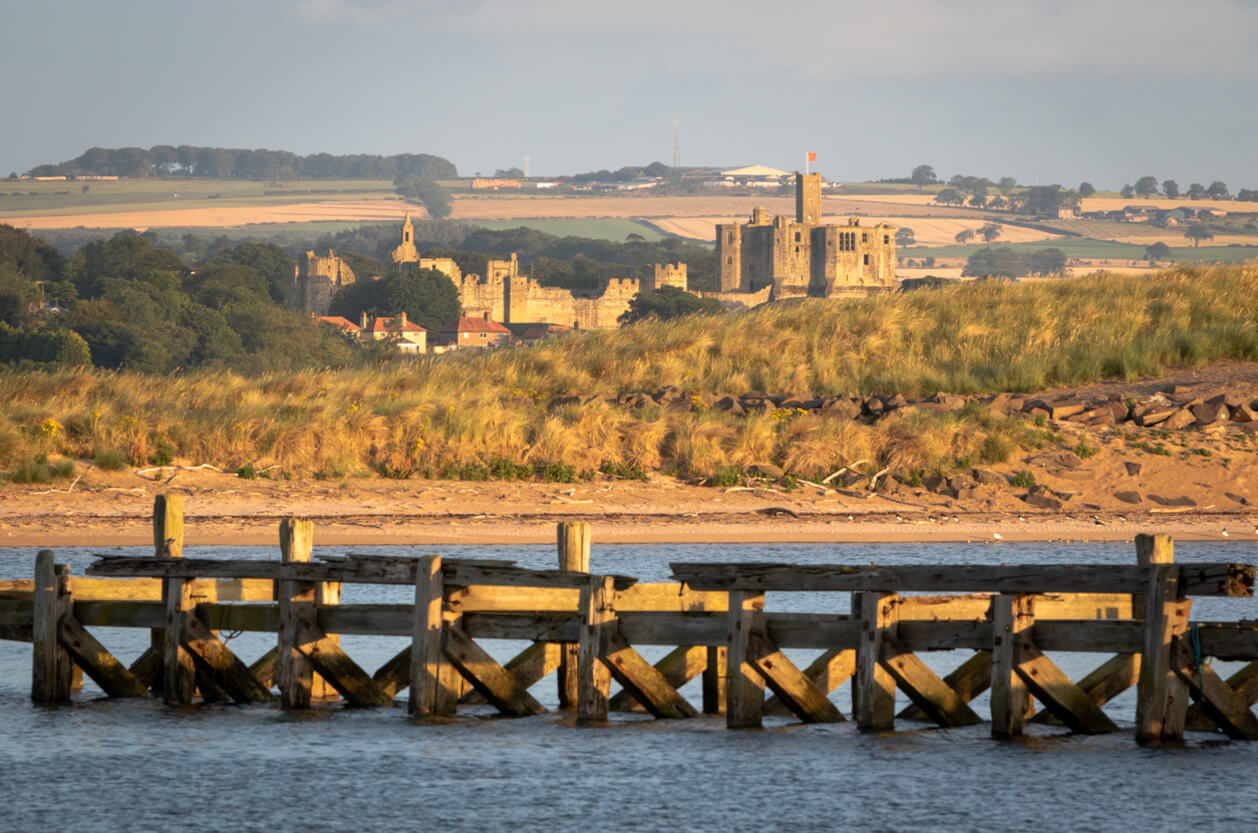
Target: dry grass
[495, 414]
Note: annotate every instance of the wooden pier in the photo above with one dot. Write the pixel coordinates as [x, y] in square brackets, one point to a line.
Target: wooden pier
[587, 628]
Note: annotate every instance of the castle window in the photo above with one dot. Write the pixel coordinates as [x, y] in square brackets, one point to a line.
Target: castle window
[866, 260]
[731, 237]
[864, 237]
[886, 238]
[797, 237]
[729, 259]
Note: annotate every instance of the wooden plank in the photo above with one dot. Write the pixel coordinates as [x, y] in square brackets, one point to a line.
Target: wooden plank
[395, 674]
[427, 695]
[744, 687]
[1012, 616]
[52, 668]
[111, 675]
[573, 546]
[970, 679]
[1161, 696]
[874, 692]
[1068, 703]
[217, 663]
[791, 687]
[495, 683]
[827, 672]
[670, 596]
[1229, 640]
[1118, 637]
[480, 598]
[542, 627]
[1206, 579]
[327, 596]
[17, 613]
[678, 667]
[598, 600]
[294, 669]
[178, 670]
[263, 668]
[341, 672]
[931, 695]
[367, 571]
[528, 667]
[1084, 606]
[121, 614]
[715, 681]
[975, 606]
[1219, 702]
[147, 667]
[647, 685]
[150, 589]
[1110, 679]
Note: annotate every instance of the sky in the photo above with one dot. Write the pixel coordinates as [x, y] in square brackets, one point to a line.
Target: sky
[1046, 91]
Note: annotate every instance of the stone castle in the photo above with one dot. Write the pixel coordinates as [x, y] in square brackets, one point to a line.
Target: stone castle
[804, 257]
[759, 261]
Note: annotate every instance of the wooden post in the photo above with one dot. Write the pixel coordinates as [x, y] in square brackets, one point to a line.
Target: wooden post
[178, 672]
[427, 694]
[1161, 696]
[327, 593]
[874, 691]
[593, 677]
[744, 693]
[573, 539]
[52, 669]
[293, 671]
[714, 680]
[1012, 616]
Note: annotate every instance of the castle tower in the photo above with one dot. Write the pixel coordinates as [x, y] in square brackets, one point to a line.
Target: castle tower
[406, 252]
[729, 256]
[808, 199]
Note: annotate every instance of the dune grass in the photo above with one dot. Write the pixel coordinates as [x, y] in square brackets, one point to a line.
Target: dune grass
[512, 413]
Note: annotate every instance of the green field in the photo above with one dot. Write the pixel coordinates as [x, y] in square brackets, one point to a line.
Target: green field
[597, 228]
[18, 197]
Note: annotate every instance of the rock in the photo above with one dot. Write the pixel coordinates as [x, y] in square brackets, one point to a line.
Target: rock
[1148, 415]
[1133, 469]
[839, 406]
[793, 402]
[1119, 410]
[1243, 413]
[1172, 501]
[765, 470]
[1180, 419]
[1210, 412]
[1095, 416]
[1065, 408]
[961, 481]
[729, 405]
[1073, 474]
[669, 393]
[892, 402]
[950, 401]
[874, 406]
[934, 483]
[1127, 496]
[1235, 498]
[988, 477]
[812, 404]
[1058, 459]
[1043, 500]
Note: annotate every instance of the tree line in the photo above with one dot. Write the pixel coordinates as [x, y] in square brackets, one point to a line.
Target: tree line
[242, 163]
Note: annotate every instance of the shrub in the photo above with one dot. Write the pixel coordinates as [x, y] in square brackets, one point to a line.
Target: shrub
[1024, 480]
[109, 459]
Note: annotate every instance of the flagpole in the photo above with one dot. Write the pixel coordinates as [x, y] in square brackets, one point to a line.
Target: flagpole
[807, 160]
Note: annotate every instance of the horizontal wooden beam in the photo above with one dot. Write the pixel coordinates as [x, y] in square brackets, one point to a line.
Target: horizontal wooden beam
[365, 571]
[1208, 579]
[16, 613]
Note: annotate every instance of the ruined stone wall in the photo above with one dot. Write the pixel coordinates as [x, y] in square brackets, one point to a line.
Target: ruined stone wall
[530, 302]
[480, 296]
[669, 274]
[740, 301]
[315, 280]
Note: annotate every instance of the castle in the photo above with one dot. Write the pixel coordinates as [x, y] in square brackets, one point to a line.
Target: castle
[804, 257]
[315, 280]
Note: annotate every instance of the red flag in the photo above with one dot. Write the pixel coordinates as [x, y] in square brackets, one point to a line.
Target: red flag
[812, 156]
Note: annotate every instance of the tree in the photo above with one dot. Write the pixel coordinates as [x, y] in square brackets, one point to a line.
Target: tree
[1047, 200]
[1086, 189]
[990, 232]
[1048, 262]
[995, 263]
[1147, 186]
[1196, 191]
[964, 236]
[1171, 188]
[1006, 185]
[904, 236]
[435, 198]
[666, 303]
[1158, 252]
[1198, 232]
[428, 297]
[509, 173]
[1218, 191]
[922, 176]
[1128, 192]
[268, 260]
[950, 196]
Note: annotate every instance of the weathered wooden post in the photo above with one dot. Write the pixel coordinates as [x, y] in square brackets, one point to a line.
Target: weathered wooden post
[1161, 696]
[744, 694]
[874, 690]
[573, 540]
[178, 672]
[52, 669]
[594, 679]
[327, 593]
[1012, 616]
[430, 693]
[293, 671]
[715, 683]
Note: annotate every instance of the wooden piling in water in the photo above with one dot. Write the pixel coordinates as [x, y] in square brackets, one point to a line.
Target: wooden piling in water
[178, 671]
[430, 693]
[573, 544]
[1161, 697]
[874, 693]
[52, 669]
[293, 673]
[597, 608]
[744, 687]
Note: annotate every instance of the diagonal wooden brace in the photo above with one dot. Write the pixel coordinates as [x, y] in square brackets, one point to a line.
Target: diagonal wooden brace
[341, 672]
[639, 677]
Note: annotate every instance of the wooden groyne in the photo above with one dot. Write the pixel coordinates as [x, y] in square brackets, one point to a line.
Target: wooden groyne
[585, 627]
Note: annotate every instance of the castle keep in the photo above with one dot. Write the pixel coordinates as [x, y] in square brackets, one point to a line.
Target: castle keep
[804, 257]
[315, 280]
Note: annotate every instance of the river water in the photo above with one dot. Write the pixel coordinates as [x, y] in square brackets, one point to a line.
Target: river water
[102, 765]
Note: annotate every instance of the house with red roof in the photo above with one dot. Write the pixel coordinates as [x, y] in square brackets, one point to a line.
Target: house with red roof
[468, 332]
[408, 336]
[342, 324]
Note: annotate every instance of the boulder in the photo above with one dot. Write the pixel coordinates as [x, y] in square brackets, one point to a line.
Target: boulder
[1127, 496]
[950, 401]
[988, 477]
[1210, 412]
[765, 470]
[1043, 500]
[1180, 419]
[1066, 408]
[843, 407]
[1133, 469]
[1243, 413]
[1172, 501]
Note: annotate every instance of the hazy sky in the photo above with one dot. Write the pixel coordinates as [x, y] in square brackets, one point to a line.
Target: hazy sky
[1043, 90]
